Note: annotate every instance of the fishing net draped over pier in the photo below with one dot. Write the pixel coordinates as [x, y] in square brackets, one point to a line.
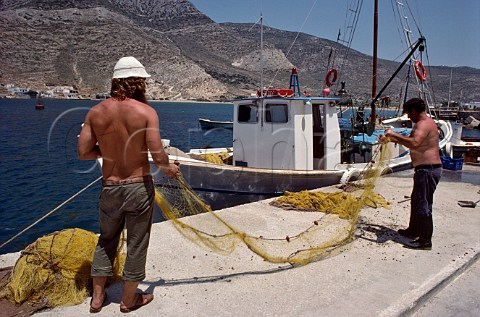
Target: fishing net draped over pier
[55, 269]
[335, 227]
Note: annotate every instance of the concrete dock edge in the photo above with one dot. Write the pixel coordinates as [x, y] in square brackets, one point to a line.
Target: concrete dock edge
[412, 301]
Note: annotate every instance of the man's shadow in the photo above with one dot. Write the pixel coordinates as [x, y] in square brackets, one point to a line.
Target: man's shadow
[115, 289]
[382, 233]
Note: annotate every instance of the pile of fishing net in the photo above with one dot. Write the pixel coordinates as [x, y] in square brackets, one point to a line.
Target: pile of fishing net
[216, 158]
[334, 228]
[55, 269]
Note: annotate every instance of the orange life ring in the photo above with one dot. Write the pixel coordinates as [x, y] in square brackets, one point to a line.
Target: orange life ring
[275, 92]
[421, 71]
[329, 82]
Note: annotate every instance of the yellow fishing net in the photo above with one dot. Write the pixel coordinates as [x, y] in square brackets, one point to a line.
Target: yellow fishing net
[55, 269]
[216, 158]
[334, 228]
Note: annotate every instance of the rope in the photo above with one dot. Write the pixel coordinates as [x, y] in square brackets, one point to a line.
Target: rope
[296, 37]
[51, 212]
[413, 18]
[350, 25]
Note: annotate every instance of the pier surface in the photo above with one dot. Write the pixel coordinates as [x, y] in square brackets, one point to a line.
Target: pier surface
[374, 276]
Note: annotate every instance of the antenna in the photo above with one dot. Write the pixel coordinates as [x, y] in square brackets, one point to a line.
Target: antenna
[261, 55]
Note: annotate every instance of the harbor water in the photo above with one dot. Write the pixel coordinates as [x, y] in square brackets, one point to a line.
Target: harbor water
[40, 168]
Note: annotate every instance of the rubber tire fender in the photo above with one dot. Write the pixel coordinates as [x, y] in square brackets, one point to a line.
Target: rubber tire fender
[351, 174]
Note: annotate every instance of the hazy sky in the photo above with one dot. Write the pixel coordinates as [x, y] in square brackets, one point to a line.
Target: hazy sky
[451, 27]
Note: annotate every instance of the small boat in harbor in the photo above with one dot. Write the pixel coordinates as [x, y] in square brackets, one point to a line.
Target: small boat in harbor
[283, 140]
[464, 141]
[39, 106]
[207, 124]
[471, 122]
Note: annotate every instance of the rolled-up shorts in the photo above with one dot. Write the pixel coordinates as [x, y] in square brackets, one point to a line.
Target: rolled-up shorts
[131, 205]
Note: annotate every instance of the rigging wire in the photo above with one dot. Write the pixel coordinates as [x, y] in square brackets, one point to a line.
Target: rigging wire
[398, 17]
[258, 21]
[352, 26]
[430, 71]
[413, 18]
[50, 212]
[295, 39]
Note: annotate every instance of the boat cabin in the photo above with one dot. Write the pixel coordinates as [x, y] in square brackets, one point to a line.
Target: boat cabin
[290, 133]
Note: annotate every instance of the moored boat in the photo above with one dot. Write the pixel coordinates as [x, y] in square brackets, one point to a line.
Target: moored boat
[39, 106]
[207, 124]
[463, 142]
[287, 141]
[471, 122]
[280, 144]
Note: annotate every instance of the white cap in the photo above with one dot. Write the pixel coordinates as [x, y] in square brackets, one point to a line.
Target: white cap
[129, 67]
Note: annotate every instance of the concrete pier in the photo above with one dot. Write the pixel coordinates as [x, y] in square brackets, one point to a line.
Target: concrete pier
[374, 276]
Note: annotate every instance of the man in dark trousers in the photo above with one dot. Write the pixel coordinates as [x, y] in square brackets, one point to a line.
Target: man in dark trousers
[424, 151]
[125, 128]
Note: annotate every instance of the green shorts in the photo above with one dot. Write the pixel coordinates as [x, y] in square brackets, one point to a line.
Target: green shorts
[129, 205]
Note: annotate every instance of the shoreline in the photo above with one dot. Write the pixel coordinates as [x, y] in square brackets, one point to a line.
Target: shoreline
[93, 99]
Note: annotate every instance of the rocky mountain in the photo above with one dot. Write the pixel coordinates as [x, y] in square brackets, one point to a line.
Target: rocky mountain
[77, 43]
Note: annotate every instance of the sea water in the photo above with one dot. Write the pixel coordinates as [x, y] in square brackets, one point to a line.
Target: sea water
[40, 169]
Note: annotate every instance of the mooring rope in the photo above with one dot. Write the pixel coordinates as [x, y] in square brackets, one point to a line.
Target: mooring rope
[51, 212]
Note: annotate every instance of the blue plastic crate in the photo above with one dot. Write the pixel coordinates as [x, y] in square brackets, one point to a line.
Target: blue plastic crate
[451, 163]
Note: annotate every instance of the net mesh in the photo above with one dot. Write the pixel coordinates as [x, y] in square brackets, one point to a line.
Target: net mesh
[55, 269]
[334, 228]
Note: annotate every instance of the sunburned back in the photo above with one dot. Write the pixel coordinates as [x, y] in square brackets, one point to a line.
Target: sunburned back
[427, 152]
[120, 128]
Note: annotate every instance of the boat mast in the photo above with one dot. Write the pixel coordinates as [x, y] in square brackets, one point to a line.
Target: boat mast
[261, 55]
[374, 75]
[449, 87]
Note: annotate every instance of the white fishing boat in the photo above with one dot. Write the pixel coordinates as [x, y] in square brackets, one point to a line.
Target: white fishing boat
[465, 142]
[281, 144]
[284, 140]
[471, 123]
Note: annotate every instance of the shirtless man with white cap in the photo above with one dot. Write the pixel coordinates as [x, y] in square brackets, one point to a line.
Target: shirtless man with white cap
[121, 130]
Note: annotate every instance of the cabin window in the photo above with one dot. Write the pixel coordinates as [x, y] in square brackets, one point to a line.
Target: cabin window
[276, 113]
[247, 113]
[318, 111]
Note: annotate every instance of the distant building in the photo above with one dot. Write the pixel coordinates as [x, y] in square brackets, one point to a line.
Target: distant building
[67, 92]
[102, 95]
[47, 94]
[17, 92]
[474, 105]
[64, 92]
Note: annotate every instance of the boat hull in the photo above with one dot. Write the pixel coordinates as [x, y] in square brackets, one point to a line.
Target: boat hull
[223, 186]
[461, 144]
[206, 124]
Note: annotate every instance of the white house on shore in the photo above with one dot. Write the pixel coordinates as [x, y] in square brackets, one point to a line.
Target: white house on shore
[474, 105]
[17, 92]
[66, 92]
